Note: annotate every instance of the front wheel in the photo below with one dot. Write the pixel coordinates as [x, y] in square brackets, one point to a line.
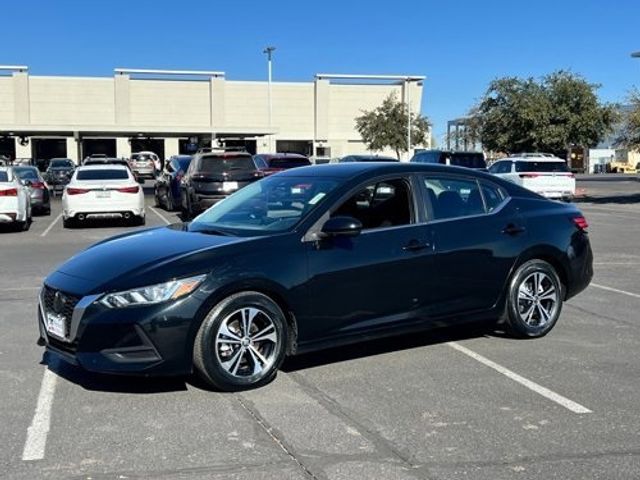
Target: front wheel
[241, 343]
[535, 300]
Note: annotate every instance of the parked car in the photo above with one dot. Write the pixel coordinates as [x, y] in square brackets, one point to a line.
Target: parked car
[545, 175]
[269, 163]
[102, 191]
[4, 161]
[15, 204]
[31, 178]
[145, 164]
[366, 158]
[316, 257]
[59, 173]
[93, 156]
[23, 161]
[473, 160]
[167, 187]
[213, 176]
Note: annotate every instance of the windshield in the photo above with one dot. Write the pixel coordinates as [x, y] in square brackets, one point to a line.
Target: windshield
[60, 164]
[274, 204]
[26, 173]
[288, 162]
[469, 160]
[102, 175]
[542, 166]
[217, 164]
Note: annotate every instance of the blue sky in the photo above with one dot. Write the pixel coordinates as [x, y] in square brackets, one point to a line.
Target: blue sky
[460, 46]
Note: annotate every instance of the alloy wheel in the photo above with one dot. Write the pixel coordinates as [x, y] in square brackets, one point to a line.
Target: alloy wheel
[246, 342]
[538, 299]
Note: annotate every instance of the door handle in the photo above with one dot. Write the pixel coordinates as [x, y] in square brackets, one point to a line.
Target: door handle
[415, 246]
[512, 229]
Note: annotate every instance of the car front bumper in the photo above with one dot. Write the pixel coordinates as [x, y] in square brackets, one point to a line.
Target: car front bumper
[149, 340]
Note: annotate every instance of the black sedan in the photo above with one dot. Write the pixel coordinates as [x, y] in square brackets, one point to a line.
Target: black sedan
[315, 257]
[59, 173]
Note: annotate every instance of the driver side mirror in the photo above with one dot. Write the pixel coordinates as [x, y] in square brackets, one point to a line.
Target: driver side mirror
[342, 226]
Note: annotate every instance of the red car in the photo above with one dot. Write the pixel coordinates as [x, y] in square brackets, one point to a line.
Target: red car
[269, 163]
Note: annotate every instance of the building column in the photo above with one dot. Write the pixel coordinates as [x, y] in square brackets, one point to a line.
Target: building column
[122, 99]
[171, 147]
[72, 150]
[123, 147]
[22, 110]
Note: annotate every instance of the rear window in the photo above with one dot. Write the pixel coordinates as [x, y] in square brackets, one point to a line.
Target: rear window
[184, 163]
[102, 175]
[468, 160]
[60, 163]
[216, 164]
[141, 157]
[4, 177]
[288, 162]
[542, 167]
[26, 173]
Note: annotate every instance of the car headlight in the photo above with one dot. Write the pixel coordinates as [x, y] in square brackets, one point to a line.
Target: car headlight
[152, 294]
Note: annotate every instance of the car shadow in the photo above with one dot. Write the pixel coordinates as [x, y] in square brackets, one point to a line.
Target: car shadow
[112, 383]
[93, 223]
[621, 199]
[149, 385]
[381, 346]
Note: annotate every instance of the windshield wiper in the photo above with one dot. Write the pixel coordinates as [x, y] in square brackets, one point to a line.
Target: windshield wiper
[211, 231]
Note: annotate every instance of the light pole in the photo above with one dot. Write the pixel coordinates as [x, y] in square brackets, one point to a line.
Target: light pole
[408, 87]
[269, 52]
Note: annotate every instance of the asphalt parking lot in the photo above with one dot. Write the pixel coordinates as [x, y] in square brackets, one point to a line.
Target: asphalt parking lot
[453, 404]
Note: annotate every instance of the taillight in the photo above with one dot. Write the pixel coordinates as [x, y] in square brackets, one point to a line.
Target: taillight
[135, 189]
[259, 174]
[12, 192]
[580, 222]
[39, 185]
[76, 191]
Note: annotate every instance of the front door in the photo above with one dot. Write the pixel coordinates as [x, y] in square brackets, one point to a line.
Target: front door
[374, 279]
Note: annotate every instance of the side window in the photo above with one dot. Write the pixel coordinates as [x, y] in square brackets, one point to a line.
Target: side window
[454, 197]
[259, 161]
[495, 168]
[493, 196]
[379, 205]
[506, 168]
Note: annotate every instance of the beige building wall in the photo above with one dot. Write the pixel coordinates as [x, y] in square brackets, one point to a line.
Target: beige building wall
[321, 112]
[61, 101]
[6, 100]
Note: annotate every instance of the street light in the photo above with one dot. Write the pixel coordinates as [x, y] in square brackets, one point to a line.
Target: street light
[269, 52]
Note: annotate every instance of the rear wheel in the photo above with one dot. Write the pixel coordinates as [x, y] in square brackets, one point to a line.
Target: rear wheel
[68, 222]
[170, 205]
[241, 342]
[535, 300]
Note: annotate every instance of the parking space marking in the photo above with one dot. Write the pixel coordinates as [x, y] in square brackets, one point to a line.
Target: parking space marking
[539, 389]
[611, 289]
[160, 215]
[55, 220]
[37, 432]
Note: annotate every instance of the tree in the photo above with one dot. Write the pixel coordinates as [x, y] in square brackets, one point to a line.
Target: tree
[386, 126]
[520, 115]
[630, 132]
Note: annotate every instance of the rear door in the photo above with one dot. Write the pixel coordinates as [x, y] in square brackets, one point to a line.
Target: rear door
[478, 234]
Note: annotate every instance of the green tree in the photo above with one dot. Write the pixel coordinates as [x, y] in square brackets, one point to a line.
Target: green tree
[386, 126]
[518, 115]
[630, 133]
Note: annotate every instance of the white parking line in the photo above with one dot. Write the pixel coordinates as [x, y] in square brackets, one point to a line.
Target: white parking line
[160, 215]
[539, 389]
[55, 220]
[611, 289]
[37, 433]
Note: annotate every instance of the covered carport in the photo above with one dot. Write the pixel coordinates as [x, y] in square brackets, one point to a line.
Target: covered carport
[102, 146]
[48, 148]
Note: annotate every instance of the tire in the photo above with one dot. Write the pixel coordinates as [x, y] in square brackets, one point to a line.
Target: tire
[157, 202]
[170, 205]
[235, 361]
[68, 223]
[534, 300]
[141, 220]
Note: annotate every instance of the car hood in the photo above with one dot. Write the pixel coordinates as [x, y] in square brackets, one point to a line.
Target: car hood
[136, 259]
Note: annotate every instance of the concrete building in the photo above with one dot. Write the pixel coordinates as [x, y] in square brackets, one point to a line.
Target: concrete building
[173, 112]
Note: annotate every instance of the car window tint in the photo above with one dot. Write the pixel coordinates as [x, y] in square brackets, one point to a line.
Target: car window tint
[493, 196]
[260, 163]
[102, 175]
[26, 173]
[453, 198]
[547, 166]
[219, 164]
[4, 177]
[379, 205]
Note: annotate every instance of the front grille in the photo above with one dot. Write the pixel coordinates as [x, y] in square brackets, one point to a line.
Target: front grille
[63, 306]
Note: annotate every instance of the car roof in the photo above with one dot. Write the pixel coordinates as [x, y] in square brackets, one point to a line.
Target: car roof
[354, 169]
[533, 159]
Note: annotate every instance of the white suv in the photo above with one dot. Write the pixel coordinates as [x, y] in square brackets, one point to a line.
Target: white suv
[544, 174]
